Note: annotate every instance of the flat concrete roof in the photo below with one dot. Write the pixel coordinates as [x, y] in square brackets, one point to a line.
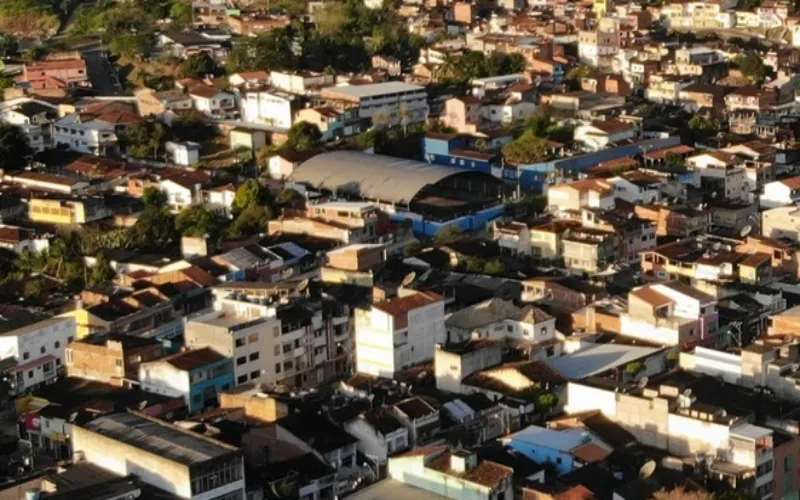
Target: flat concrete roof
[597, 358]
[374, 89]
[391, 488]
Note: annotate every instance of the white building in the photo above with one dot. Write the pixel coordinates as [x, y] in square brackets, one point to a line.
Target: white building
[391, 103]
[242, 331]
[275, 108]
[380, 434]
[301, 82]
[34, 117]
[184, 153]
[723, 175]
[499, 319]
[781, 193]
[94, 136]
[212, 101]
[398, 333]
[32, 348]
[177, 461]
[637, 188]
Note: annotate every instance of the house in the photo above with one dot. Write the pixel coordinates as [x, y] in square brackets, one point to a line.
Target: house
[67, 73]
[448, 474]
[110, 358]
[19, 239]
[327, 119]
[388, 63]
[152, 102]
[96, 129]
[300, 82]
[675, 220]
[281, 165]
[780, 193]
[75, 211]
[566, 449]
[34, 117]
[750, 98]
[390, 102]
[184, 154]
[196, 375]
[271, 107]
[211, 101]
[380, 434]
[313, 432]
[416, 318]
[182, 44]
[252, 25]
[700, 96]
[249, 79]
[498, 319]
[600, 134]
[32, 347]
[48, 183]
[420, 418]
[595, 193]
[720, 174]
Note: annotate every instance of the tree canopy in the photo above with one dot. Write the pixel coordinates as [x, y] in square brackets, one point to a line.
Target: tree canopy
[200, 65]
[752, 67]
[474, 64]
[144, 139]
[14, 148]
[527, 148]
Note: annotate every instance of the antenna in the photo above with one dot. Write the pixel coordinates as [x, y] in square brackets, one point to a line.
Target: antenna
[302, 285]
[643, 382]
[647, 469]
[410, 277]
[745, 230]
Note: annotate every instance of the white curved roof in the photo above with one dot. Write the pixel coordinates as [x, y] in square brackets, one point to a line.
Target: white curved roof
[372, 177]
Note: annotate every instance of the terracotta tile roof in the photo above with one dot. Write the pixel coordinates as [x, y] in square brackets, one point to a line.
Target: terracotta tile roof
[204, 91]
[401, 306]
[613, 126]
[486, 473]
[651, 296]
[579, 492]
[791, 182]
[192, 360]
[755, 259]
[590, 452]
[13, 234]
[56, 65]
[597, 185]
[662, 153]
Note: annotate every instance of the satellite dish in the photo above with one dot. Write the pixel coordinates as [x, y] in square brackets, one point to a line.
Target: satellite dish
[288, 273]
[643, 382]
[745, 230]
[714, 194]
[688, 393]
[630, 215]
[647, 469]
[716, 246]
[410, 277]
[302, 285]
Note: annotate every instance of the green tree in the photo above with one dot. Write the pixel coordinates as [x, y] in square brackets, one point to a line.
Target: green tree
[494, 267]
[192, 125]
[251, 194]
[448, 235]
[196, 220]
[675, 161]
[251, 220]
[8, 45]
[102, 273]
[181, 13]
[575, 75]
[200, 65]
[288, 196]
[154, 198]
[14, 149]
[132, 46]
[527, 148]
[752, 67]
[271, 51]
[330, 18]
[634, 368]
[145, 138]
[155, 227]
[546, 401]
[304, 136]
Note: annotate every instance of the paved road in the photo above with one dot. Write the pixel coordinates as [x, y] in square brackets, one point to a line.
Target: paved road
[101, 73]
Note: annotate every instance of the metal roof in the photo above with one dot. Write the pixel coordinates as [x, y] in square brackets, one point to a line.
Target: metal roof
[373, 177]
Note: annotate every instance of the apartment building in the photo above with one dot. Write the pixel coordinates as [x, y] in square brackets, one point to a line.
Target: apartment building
[151, 102]
[32, 348]
[93, 131]
[277, 334]
[110, 358]
[300, 82]
[596, 48]
[242, 331]
[399, 332]
[780, 193]
[675, 220]
[180, 462]
[348, 222]
[271, 107]
[691, 415]
[388, 103]
[197, 375]
[722, 175]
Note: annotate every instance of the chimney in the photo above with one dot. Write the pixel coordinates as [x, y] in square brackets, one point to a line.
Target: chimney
[463, 461]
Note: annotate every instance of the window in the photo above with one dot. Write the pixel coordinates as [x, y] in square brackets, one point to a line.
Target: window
[254, 374]
[47, 367]
[287, 348]
[277, 367]
[241, 379]
[30, 373]
[254, 356]
[296, 343]
[118, 363]
[287, 365]
[58, 362]
[509, 328]
[241, 360]
[277, 350]
[56, 345]
[253, 337]
[25, 355]
[239, 342]
[69, 339]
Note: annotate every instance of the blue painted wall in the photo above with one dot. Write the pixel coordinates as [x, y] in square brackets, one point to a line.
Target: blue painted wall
[220, 383]
[473, 222]
[561, 461]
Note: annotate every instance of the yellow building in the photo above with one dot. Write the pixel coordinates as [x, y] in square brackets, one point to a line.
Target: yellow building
[86, 322]
[601, 7]
[56, 211]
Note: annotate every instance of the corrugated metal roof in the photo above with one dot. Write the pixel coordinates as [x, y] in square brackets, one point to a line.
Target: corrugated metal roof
[373, 177]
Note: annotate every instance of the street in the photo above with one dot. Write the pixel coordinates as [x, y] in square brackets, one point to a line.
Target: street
[101, 73]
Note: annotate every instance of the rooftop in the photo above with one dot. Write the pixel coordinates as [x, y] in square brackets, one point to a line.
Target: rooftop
[160, 438]
[374, 89]
[597, 358]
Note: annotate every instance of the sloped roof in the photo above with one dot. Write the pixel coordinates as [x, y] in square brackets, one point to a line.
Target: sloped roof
[375, 177]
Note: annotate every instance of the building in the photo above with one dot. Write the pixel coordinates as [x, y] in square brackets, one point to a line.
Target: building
[447, 474]
[780, 193]
[344, 221]
[300, 82]
[68, 73]
[593, 193]
[244, 332]
[276, 108]
[380, 434]
[397, 333]
[499, 319]
[32, 348]
[390, 103]
[566, 449]
[151, 102]
[432, 197]
[197, 375]
[94, 130]
[110, 358]
[177, 461]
